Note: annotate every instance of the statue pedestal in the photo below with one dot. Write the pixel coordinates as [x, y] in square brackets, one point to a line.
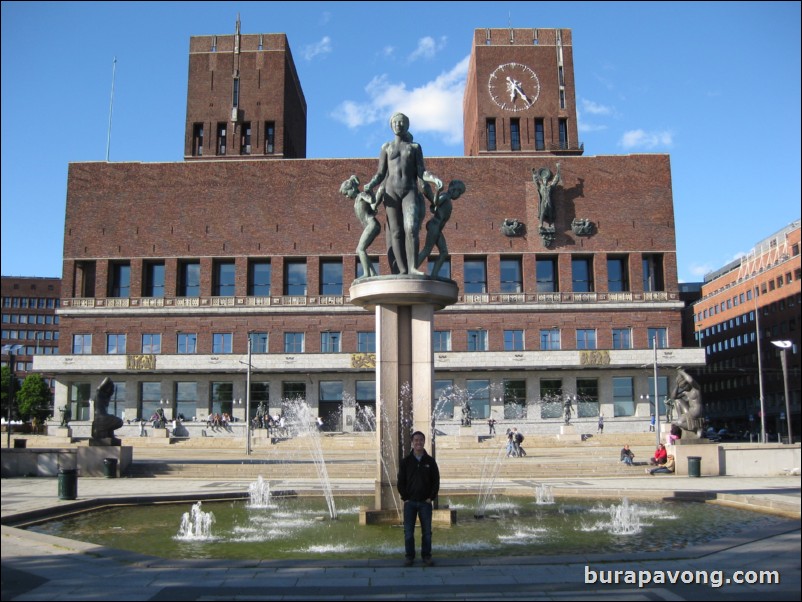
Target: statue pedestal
[568, 433]
[404, 307]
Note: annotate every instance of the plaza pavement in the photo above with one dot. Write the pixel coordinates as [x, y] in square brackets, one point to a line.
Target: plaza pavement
[42, 567]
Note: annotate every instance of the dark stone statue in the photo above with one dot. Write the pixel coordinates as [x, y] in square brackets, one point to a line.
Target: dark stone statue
[104, 424]
[365, 209]
[400, 168]
[66, 414]
[545, 184]
[512, 227]
[441, 208]
[582, 227]
[568, 407]
[687, 398]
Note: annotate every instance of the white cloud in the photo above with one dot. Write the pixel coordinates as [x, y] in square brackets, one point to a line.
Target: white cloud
[322, 47]
[427, 48]
[433, 107]
[699, 270]
[634, 139]
[585, 127]
[595, 108]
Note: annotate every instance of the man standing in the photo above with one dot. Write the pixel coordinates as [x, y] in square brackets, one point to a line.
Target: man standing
[418, 485]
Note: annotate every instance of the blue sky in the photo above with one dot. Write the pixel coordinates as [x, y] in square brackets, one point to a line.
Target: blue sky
[715, 85]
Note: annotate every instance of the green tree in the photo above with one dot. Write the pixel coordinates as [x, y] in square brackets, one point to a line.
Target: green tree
[4, 382]
[33, 398]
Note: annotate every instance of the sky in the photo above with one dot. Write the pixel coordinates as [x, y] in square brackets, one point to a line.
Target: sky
[715, 85]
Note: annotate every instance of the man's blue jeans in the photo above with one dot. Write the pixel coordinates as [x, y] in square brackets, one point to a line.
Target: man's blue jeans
[412, 510]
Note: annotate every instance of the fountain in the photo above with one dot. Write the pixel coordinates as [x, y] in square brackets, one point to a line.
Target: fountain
[196, 525]
[490, 468]
[544, 494]
[624, 519]
[259, 493]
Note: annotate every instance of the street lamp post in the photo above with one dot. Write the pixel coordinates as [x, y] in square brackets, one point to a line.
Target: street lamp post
[785, 346]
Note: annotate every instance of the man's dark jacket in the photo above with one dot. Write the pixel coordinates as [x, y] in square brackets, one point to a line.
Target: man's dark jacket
[418, 481]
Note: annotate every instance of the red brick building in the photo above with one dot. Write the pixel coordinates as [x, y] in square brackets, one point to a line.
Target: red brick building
[168, 267]
[745, 306]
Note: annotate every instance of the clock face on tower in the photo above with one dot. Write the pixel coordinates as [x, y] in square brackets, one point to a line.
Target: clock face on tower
[513, 86]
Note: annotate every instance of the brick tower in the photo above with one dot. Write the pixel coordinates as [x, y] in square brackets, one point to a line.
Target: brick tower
[519, 95]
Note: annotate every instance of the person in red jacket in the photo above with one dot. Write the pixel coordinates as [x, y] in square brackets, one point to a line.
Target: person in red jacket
[660, 456]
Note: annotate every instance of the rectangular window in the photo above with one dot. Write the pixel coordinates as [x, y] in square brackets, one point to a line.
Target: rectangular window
[330, 342]
[475, 276]
[513, 340]
[445, 268]
[197, 139]
[186, 399]
[550, 339]
[366, 342]
[546, 272]
[81, 344]
[479, 398]
[623, 396]
[514, 399]
[270, 137]
[563, 125]
[189, 279]
[293, 390]
[331, 277]
[491, 134]
[551, 398]
[617, 274]
[235, 93]
[586, 338]
[151, 343]
[187, 342]
[260, 393]
[365, 405]
[444, 396]
[562, 98]
[259, 342]
[295, 277]
[245, 138]
[154, 279]
[582, 274]
[477, 340]
[662, 392]
[224, 279]
[515, 134]
[120, 280]
[511, 275]
[622, 338]
[441, 340]
[653, 273]
[222, 397]
[221, 138]
[661, 335]
[222, 342]
[150, 394]
[293, 342]
[587, 393]
[115, 344]
[259, 274]
[85, 272]
[540, 136]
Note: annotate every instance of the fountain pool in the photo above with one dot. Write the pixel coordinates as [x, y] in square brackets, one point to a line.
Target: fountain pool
[300, 528]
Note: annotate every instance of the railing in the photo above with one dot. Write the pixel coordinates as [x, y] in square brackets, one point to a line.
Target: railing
[154, 304]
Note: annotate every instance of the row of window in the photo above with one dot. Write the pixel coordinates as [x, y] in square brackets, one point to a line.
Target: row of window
[183, 397]
[331, 342]
[31, 302]
[765, 287]
[224, 139]
[539, 132]
[30, 319]
[331, 276]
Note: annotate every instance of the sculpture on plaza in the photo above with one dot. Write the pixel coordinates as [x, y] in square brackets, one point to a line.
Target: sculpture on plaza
[441, 208]
[66, 414]
[365, 209]
[104, 424]
[687, 398]
[400, 168]
[568, 407]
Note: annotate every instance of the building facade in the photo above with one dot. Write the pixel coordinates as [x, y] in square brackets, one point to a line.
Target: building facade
[745, 306]
[240, 249]
[30, 322]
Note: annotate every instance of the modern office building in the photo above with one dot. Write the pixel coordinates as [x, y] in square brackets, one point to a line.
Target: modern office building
[170, 269]
[30, 322]
[746, 306]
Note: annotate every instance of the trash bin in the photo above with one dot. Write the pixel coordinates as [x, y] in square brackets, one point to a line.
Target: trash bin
[694, 466]
[67, 483]
[20, 443]
[110, 468]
